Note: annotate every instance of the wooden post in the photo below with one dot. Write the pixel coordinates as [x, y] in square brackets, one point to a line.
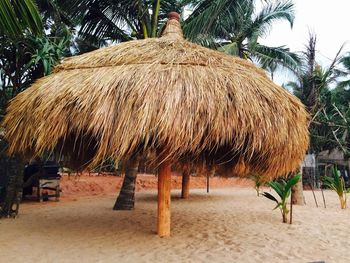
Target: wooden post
[324, 200]
[291, 208]
[210, 173]
[207, 182]
[185, 191]
[164, 187]
[313, 193]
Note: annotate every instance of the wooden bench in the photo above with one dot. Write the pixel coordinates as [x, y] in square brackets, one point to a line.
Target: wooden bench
[48, 184]
[49, 180]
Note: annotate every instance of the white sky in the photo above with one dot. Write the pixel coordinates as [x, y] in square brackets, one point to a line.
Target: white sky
[330, 20]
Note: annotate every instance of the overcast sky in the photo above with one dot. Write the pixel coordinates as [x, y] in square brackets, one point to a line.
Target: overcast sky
[330, 20]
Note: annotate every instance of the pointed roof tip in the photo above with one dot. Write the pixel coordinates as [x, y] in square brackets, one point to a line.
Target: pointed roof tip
[174, 15]
[172, 28]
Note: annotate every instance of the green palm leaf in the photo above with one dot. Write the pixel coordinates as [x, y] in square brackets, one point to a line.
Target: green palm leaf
[272, 12]
[18, 16]
[278, 187]
[270, 196]
[282, 56]
[293, 181]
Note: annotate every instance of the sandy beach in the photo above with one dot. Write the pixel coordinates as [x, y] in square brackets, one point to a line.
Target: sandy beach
[226, 225]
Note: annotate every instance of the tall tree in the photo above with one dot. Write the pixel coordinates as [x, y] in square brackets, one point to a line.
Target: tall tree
[312, 78]
[26, 52]
[313, 89]
[121, 20]
[236, 28]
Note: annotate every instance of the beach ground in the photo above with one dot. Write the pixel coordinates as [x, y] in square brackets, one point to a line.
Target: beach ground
[229, 224]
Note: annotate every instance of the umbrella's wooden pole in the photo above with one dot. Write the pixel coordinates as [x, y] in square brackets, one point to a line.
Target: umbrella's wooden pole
[185, 191]
[164, 187]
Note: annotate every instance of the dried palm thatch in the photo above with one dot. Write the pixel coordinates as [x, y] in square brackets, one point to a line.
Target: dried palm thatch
[164, 93]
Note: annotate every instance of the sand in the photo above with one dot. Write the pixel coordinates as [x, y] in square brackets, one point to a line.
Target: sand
[87, 185]
[226, 225]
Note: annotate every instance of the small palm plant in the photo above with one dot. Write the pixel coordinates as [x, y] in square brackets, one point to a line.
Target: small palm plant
[283, 189]
[336, 183]
[258, 183]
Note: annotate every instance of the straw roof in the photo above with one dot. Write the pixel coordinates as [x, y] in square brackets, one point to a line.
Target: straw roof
[161, 93]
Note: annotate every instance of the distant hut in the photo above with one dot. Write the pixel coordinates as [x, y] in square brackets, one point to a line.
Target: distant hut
[166, 95]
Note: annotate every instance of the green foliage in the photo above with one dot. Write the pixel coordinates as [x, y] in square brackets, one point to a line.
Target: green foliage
[48, 53]
[27, 51]
[330, 128]
[328, 107]
[19, 16]
[312, 78]
[234, 27]
[336, 183]
[120, 20]
[345, 62]
[230, 26]
[283, 190]
[22, 61]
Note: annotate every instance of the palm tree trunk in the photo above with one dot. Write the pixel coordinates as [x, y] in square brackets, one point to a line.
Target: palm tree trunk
[185, 191]
[126, 198]
[156, 9]
[11, 170]
[298, 196]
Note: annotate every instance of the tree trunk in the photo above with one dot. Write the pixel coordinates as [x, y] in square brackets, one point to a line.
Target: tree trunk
[210, 173]
[298, 196]
[126, 198]
[11, 183]
[185, 192]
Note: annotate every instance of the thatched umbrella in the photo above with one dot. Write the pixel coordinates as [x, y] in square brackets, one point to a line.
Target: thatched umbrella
[169, 95]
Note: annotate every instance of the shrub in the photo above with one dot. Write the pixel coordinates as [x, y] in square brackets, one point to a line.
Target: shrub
[336, 183]
[283, 189]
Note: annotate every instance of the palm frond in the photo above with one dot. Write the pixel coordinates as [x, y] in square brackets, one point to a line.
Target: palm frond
[282, 56]
[212, 18]
[272, 12]
[18, 16]
[344, 84]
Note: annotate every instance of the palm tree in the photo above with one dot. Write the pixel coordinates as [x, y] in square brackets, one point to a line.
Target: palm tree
[312, 78]
[345, 61]
[121, 20]
[234, 28]
[230, 26]
[18, 19]
[312, 88]
[26, 52]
